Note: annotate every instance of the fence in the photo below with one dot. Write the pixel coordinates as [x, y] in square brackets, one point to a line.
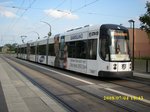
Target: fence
[142, 65]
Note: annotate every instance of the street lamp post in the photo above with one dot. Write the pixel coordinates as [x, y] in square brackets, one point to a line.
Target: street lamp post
[132, 22]
[49, 34]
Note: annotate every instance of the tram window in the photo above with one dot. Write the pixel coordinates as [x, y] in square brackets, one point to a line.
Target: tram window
[92, 49]
[104, 49]
[18, 50]
[81, 49]
[32, 50]
[51, 50]
[22, 50]
[71, 49]
[25, 50]
[42, 50]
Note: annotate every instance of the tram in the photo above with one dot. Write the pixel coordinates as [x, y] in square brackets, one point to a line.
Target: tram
[98, 50]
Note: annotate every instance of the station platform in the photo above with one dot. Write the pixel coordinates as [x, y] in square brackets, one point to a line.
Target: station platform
[142, 75]
[17, 94]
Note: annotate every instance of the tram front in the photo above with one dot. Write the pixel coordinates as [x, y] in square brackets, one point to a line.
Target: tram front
[114, 51]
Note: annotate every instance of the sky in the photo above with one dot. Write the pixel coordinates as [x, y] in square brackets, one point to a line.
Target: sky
[33, 18]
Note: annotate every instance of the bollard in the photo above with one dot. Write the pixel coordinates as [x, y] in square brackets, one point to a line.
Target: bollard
[147, 66]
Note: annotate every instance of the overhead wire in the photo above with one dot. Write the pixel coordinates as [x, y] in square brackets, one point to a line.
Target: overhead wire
[55, 8]
[75, 10]
[41, 19]
[19, 8]
[102, 14]
[85, 5]
[30, 5]
[11, 26]
[71, 11]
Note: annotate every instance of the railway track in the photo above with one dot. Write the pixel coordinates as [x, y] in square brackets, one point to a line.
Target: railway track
[70, 108]
[139, 80]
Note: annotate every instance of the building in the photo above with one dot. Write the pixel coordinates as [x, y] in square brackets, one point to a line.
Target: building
[5, 49]
[1, 49]
[142, 43]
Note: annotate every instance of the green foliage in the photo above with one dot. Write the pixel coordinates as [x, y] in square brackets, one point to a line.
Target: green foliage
[11, 46]
[1, 48]
[145, 19]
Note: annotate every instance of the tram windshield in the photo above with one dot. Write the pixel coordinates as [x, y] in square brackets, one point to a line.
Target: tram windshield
[114, 45]
[119, 50]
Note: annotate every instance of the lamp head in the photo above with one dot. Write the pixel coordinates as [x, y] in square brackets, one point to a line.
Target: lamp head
[131, 21]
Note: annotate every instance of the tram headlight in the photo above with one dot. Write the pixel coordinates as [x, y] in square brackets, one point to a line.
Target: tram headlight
[115, 66]
[130, 65]
[123, 66]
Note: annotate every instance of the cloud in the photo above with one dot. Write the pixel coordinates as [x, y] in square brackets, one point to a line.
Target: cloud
[60, 14]
[6, 13]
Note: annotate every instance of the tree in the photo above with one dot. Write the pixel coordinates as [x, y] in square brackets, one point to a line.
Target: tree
[14, 45]
[145, 19]
[8, 45]
[11, 46]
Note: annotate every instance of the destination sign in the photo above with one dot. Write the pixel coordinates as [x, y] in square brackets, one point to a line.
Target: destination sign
[120, 34]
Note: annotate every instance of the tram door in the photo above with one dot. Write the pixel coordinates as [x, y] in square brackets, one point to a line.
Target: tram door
[61, 51]
[92, 57]
[28, 51]
[36, 52]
